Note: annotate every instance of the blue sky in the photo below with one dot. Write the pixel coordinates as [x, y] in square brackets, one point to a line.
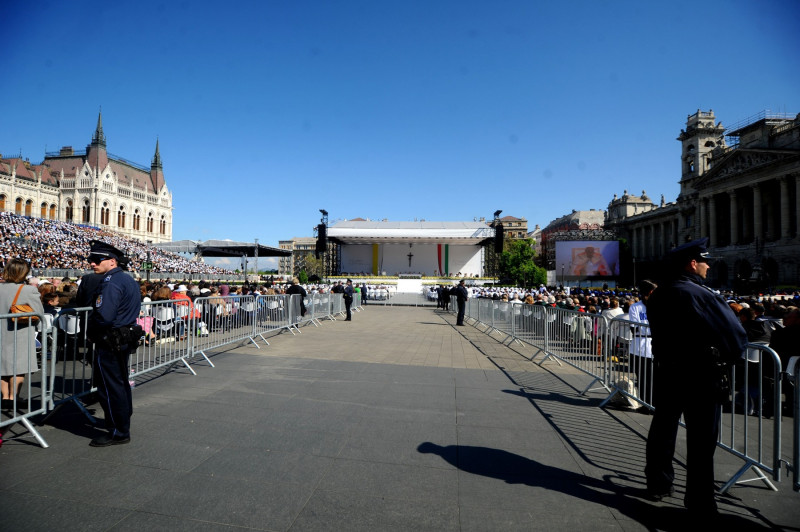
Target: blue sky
[267, 111]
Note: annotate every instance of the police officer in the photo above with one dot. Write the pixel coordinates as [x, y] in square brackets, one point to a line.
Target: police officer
[461, 300]
[348, 298]
[112, 326]
[695, 336]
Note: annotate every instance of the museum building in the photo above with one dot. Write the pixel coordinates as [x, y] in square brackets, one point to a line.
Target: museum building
[740, 187]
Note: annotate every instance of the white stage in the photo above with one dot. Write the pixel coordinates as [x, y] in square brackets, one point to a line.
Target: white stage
[427, 248]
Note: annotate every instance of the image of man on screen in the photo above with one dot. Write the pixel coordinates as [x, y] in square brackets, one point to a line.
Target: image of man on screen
[588, 262]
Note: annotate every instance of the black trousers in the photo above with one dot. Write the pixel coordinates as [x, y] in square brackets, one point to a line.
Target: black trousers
[461, 308]
[347, 302]
[114, 390]
[697, 399]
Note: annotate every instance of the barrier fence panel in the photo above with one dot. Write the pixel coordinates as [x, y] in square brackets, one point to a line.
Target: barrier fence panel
[795, 465]
[751, 422]
[502, 318]
[271, 315]
[573, 337]
[306, 313]
[337, 305]
[20, 351]
[72, 357]
[628, 350]
[529, 324]
[170, 328]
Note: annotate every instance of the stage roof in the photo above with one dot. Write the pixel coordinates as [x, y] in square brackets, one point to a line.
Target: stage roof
[376, 232]
[222, 248]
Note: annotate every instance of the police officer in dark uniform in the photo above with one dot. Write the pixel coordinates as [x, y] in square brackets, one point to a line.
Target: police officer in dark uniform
[461, 300]
[695, 336]
[112, 327]
[348, 299]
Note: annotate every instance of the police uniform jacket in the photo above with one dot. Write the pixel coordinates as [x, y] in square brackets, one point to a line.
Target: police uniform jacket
[687, 319]
[117, 301]
[461, 293]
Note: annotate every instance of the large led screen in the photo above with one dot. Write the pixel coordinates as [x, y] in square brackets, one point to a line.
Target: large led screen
[581, 259]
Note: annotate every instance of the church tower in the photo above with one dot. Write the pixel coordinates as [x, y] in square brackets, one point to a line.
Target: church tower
[701, 136]
[96, 154]
[157, 171]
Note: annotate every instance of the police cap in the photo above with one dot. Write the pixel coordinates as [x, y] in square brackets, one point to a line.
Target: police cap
[100, 251]
[694, 250]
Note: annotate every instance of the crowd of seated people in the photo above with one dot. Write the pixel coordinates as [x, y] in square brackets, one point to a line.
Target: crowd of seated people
[52, 244]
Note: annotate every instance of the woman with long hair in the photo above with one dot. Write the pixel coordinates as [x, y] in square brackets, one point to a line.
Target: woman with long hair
[18, 348]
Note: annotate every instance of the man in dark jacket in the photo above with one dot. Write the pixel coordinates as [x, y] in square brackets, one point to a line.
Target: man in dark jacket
[462, 295]
[695, 336]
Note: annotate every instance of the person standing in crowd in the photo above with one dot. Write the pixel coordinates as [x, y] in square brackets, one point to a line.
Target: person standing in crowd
[18, 351]
[363, 293]
[348, 299]
[296, 289]
[115, 307]
[695, 337]
[462, 295]
[640, 346]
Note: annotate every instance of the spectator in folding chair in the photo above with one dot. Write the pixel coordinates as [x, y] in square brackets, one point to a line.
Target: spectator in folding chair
[184, 308]
[165, 323]
[216, 308]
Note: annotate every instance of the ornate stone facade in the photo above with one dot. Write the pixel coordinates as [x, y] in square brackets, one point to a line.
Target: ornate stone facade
[93, 188]
[740, 187]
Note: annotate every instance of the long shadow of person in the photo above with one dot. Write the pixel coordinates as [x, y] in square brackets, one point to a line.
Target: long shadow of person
[515, 469]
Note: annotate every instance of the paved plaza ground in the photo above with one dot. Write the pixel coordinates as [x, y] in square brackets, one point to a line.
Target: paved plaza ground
[397, 420]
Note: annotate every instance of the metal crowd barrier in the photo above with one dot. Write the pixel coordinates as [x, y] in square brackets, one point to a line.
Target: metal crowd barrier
[169, 336]
[630, 361]
[72, 359]
[795, 465]
[616, 354]
[35, 389]
[175, 332]
[751, 429]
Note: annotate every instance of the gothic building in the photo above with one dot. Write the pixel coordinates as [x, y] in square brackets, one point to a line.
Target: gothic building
[91, 187]
[740, 186]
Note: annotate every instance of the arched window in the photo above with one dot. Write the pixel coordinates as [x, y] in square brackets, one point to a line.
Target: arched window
[86, 212]
[136, 220]
[52, 211]
[163, 226]
[18, 206]
[43, 212]
[68, 211]
[121, 217]
[150, 222]
[29, 208]
[2, 202]
[105, 214]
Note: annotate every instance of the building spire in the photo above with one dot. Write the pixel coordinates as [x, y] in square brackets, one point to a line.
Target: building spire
[99, 138]
[157, 157]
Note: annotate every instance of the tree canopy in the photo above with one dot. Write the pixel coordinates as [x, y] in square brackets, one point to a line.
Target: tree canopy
[516, 263]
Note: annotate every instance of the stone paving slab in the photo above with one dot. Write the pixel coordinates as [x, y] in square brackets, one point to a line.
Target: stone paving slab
[397, 420]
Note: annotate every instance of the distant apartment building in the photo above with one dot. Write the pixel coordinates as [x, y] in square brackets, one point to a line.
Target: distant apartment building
[301, 248]
[513, 227]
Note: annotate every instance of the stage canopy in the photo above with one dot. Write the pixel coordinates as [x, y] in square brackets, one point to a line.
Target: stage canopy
[222, 248]
[374, 232]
